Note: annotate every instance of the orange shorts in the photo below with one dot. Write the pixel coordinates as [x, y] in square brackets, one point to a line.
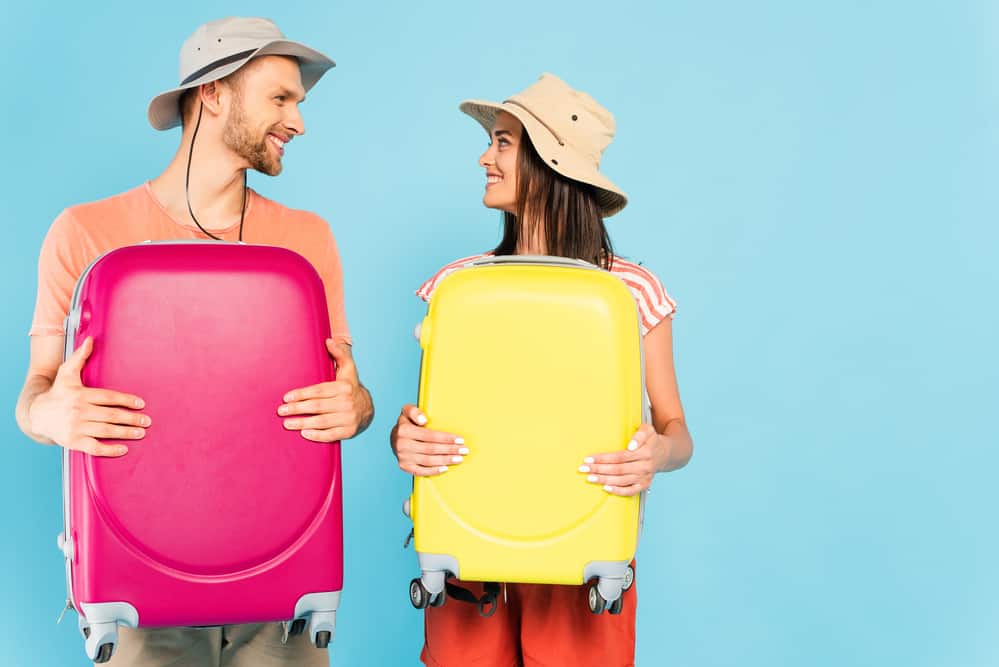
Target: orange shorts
[537, 625]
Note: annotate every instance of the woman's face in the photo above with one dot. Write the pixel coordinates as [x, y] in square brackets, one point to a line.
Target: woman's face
[500, 163]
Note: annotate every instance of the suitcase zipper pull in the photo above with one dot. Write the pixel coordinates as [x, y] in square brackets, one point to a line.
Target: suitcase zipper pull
[409, 538]
[69, 605]
[284, 637]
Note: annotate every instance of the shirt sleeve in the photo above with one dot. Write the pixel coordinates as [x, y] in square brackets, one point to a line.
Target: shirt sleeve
[428, 287]
[60, 263]
[654, 303]
[331, 273]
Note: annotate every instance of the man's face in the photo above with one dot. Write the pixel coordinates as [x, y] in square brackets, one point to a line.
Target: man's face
[264, 115]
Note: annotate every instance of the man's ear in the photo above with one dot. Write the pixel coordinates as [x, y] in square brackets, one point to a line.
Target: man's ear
[210, 95]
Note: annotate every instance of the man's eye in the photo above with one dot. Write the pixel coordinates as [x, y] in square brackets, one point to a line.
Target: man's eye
[280, 98]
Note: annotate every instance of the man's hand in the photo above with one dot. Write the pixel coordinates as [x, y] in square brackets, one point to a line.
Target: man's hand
[75, 416]
[332, 410]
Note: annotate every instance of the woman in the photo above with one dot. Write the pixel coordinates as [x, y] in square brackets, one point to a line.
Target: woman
[542, 172]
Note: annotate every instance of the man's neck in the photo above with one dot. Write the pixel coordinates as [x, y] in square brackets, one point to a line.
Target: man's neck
[215, 190]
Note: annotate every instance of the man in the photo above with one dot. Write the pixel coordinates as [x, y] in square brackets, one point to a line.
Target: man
[238, 104]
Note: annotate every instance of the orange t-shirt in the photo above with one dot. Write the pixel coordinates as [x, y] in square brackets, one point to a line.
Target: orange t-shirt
[84, 232]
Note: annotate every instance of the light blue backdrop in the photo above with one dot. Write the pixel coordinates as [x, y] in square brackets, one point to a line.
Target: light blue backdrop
[816, 185]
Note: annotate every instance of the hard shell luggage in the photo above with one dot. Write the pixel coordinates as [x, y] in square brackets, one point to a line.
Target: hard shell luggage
[537, 363]
[219, 515]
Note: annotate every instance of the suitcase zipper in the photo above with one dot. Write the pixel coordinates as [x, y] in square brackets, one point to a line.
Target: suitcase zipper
[69, 605]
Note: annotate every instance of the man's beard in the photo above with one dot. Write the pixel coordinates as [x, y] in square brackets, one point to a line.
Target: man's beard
[238, 136]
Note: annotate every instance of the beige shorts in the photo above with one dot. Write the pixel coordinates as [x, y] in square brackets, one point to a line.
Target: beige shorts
[255, 645]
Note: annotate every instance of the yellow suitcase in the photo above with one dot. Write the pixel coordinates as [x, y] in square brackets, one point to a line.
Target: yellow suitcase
[537, 362]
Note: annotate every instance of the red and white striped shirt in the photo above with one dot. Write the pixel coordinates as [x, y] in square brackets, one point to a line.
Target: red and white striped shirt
[654, 304]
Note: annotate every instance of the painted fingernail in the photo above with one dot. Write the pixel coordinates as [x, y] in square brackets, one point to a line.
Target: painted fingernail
[283, 410]
[459, 441]
[463, 451]
[588, 459]
[457, 459]
[632, 446]
[442, 469]
[591, 478]
[139, 403]
[608, 488]
[584, 468]
[421, 420]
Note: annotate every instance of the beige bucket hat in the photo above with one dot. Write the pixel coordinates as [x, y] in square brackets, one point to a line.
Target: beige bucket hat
[569, 129]
[219, 48]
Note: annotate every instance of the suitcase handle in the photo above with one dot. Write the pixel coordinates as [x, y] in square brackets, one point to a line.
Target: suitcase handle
[549, 260]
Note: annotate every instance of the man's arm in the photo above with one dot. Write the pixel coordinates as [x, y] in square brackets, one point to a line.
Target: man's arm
[338, 410]
[55, 408]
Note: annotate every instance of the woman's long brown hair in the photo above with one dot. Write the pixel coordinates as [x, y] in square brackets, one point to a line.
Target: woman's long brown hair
[568, 211]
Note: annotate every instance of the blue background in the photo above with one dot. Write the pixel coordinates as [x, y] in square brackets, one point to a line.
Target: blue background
[815, 186]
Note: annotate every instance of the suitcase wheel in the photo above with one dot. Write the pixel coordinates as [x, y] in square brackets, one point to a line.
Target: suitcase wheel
[104, 653]
[629, 578]
[596, 600]
[418, 594]
[616, 606]
[439, 599]
[297, 627]
[323, 638]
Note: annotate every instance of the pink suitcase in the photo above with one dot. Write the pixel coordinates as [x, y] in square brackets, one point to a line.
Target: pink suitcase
[219, 515]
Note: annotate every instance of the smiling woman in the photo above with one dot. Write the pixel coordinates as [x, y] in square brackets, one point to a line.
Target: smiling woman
[541, 171]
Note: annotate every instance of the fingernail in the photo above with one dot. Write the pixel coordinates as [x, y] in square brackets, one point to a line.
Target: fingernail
[291, 423]
[145, 421]
[421, 420]
[120, 451]
[584, 468]
[289, 397]
[442, 469]
[588, 459]
[608, 488]
[591, 478]
[457, 459]
[463, 451]
[308, 434]
[459, 441]
[283, 410]
[137, 433]
[632, 446]
[139, 403]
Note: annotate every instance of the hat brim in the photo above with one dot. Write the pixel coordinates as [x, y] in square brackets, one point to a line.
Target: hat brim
[164, 109]
[560, 158]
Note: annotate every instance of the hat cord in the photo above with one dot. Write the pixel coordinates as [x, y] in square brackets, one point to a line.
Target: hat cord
[187, 185]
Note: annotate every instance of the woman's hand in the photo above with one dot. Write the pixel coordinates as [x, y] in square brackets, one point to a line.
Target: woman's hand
[630, 471]
[423, 452]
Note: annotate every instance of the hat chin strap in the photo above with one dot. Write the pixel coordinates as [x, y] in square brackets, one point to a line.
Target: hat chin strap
[187, 184]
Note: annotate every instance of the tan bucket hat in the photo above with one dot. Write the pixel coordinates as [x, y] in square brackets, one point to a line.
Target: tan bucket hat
[219, 48]
[569, 129]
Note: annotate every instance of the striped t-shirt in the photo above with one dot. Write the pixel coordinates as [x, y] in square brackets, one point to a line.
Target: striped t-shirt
[654, 304]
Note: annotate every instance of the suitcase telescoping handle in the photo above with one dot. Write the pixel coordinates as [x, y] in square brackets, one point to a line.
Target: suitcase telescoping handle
[548, 260]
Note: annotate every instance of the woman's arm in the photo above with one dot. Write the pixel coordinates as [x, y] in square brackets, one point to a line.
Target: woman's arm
[662, 446]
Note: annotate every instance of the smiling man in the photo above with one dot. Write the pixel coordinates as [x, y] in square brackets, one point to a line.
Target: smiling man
[241, 84]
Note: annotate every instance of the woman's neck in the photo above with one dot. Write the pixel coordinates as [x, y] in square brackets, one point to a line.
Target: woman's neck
[531, 238]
